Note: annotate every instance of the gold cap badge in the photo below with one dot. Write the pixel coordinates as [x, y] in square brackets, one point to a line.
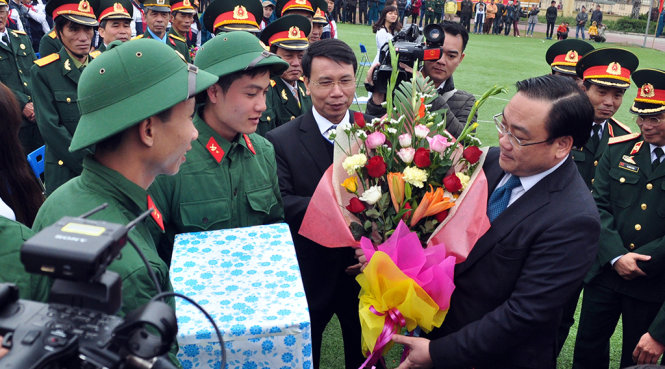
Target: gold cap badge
[294, 32]
[240, 12]
[647, 90]
[614, 68]
[572, 56]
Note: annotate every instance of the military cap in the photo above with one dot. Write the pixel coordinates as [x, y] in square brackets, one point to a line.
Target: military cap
[288, 32]
[320, 10]
[233, 15]
[284, 6]
[163, 6]
[112, 9]
[609, 67]
[183, 6]
[650, 97]
[77, 11]
[236, 51]
[130, 82]
[563, 55]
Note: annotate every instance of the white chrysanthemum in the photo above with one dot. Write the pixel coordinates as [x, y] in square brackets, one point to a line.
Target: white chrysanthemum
[353, 163]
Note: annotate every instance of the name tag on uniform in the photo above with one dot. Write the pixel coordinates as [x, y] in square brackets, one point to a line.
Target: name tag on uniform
[629, 167]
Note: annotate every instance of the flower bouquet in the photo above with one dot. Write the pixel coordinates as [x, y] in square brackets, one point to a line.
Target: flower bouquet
[402, 182]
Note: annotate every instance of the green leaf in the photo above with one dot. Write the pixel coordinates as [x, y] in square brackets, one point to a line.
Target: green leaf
[368, 225]
[372, 213]
[407, 191]
[384, 202]
[357, 230]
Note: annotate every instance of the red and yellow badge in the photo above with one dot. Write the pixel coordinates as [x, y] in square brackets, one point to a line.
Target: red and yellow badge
[647, 90]
[614, 68]
[636, 148]
[249, 144]
[215, 150]
[240, 12]
[572, 56]
[156, 215]
[117, 7]
[84, 6]
[301, 2]
[186, 3]
[294, 32]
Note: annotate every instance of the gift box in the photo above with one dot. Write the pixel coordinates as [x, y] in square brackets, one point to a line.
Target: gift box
[249, 282]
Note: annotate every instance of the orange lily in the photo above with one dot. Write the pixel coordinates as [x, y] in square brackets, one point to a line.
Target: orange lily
[432, 203]
[396, 188]
[421, 110]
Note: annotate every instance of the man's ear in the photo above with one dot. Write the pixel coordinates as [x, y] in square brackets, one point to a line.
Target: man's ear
[306, 81]
[214, 92]
[146, 131]
[563, 146]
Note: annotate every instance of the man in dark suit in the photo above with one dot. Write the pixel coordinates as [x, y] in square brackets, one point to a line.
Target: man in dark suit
[303, 154]
[511, 289]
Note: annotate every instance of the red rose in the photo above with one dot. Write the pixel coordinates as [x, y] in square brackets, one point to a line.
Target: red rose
[472, 154]
[407, 215]
[376, 167]
[421, 158]
[452, 183]
[442, 215]
[359, 118]
[355, 205]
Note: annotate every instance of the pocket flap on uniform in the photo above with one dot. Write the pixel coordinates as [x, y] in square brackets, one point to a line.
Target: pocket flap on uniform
[204, 214]
[65, 96]
[262, 200]
[624, 176]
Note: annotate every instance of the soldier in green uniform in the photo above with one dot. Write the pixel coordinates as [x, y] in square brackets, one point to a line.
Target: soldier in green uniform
[16, 57]
[182, 17]
[438, 10]
[286, 98]
[55, 78]
[114, 17]
[319, 20]
[563, 56]
[229, 16]
[232, 169]
[429, 11]
[628, 278]
[605, 87]
[157, 16]
[137, 100]
[606, 94]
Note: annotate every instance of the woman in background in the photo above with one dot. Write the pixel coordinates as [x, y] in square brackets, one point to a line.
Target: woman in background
[387, 26]
[20, 193]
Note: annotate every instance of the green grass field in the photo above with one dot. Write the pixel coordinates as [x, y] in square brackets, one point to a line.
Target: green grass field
[490, 60]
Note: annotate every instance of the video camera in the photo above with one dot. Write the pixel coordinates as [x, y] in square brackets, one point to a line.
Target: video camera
[77, 328]
[410, 45]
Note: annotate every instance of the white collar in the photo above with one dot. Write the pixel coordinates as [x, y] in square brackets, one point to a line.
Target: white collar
[323, 123]
[530, 181]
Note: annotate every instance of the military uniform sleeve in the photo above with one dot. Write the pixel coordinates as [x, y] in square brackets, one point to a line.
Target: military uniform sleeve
[610, 244]
[277, 211]
[162, 192]
[55, 135]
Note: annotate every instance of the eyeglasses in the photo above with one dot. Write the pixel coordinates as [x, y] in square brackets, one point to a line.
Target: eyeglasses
[343, 83]
[649, 119]
[498, 121]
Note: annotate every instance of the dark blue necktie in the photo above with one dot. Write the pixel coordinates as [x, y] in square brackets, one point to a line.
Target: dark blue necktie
[659, 156]
[500, 198]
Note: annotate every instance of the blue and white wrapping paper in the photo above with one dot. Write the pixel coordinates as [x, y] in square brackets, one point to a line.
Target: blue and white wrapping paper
[249, 281]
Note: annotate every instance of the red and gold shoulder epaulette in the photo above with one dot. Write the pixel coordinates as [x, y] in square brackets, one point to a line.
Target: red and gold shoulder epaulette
[272, 83]
[52, 34]
[17, 32]
[215, 150]
[177, 37]
[623, 126]
[250, 146]
[137, 37]
[48, 59]
[623, 138]
[95, 53]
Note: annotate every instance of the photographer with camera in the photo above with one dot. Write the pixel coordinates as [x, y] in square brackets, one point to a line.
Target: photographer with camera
[136, 110]
[457, 103]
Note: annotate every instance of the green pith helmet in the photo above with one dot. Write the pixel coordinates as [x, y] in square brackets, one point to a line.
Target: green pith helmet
[608, 67]
[288, 32]
[112, 9]
[233, 15]
[650, 99]
[77, 11]
[130, 82]
[563, 55]
[231, 52]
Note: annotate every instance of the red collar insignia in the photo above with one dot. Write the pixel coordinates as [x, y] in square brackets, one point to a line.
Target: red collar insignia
[156, 215]
[249, 144]
[610, 130]
[215, 150]
[636, 148]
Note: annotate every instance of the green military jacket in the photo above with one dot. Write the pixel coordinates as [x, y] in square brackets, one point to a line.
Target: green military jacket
[430, 6]
[49, 44]
[438, 7]
[30, 286]
[55, 79]
[15, 63]
[96, 185]
[586, 158]
[631, 200]
[282, 106]
[175, 41]
[221, 185]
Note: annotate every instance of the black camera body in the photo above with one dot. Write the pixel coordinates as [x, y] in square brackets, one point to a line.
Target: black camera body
[410, 45]
[78, 328]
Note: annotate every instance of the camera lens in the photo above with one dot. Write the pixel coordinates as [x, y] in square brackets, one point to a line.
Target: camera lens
[434, 34]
